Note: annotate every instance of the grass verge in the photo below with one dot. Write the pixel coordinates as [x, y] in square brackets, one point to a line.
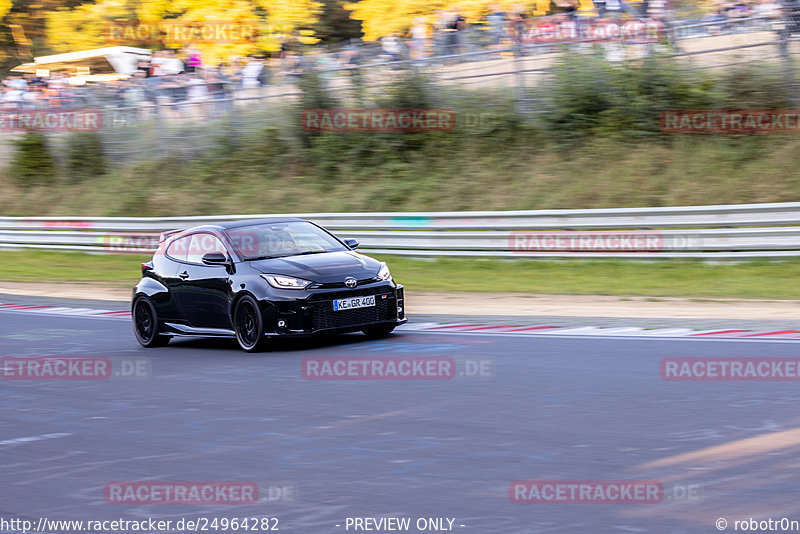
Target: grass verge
[666, 278]
[468, 173]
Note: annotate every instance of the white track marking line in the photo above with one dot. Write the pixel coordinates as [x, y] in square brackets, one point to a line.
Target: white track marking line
[632, 337]
[668, 332]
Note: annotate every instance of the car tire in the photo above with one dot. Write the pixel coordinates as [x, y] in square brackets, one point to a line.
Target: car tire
[145, 324]
[375, 332]
[249, 325]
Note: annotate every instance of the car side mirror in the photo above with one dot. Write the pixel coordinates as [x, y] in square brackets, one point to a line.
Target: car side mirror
[351, 243]
[215, 258]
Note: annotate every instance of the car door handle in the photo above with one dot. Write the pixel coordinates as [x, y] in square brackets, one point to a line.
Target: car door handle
[184, 275]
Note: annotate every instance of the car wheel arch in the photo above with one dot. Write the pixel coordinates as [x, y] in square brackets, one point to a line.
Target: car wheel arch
[149, 287]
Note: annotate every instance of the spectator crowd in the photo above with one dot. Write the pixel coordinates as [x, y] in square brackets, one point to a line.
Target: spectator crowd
[174, 76]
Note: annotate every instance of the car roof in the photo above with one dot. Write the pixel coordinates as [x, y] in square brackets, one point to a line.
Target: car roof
[227, 225]
[252, 222]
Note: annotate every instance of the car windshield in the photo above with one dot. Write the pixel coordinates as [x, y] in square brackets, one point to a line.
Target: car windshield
[274, 240]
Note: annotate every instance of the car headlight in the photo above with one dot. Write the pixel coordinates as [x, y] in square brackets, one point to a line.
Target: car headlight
[285, 282]
[384, 273]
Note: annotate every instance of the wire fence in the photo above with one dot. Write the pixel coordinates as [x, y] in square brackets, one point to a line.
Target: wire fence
[148, 119]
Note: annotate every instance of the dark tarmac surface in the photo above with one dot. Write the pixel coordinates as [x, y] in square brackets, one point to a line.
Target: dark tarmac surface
[321, 451]
[790, 323]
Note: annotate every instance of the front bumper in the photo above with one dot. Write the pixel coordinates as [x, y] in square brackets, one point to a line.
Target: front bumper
[313, 313]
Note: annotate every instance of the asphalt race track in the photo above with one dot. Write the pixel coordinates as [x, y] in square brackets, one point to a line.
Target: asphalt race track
[519, 408]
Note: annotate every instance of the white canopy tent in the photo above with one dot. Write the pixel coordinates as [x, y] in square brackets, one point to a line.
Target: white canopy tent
[114, 61]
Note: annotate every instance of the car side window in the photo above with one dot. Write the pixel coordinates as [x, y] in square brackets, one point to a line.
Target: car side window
[202, 244]
[179, 248]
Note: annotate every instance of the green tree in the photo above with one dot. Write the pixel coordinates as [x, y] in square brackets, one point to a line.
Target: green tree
[32, 163]
[335, 24]
[84, 156]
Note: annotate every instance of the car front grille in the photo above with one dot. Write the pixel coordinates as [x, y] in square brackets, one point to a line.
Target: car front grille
[325, 317]
[341, 284]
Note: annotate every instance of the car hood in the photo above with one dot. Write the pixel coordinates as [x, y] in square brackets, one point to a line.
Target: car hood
[325, 267]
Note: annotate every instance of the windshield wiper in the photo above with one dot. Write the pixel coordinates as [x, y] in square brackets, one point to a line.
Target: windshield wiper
[291, 254]
[312, 252]
[261, 258]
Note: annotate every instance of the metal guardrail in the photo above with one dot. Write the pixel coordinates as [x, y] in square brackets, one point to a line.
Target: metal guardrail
[721, 232]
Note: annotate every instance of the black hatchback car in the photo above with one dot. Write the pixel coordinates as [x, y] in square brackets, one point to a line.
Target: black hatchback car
[261, 279]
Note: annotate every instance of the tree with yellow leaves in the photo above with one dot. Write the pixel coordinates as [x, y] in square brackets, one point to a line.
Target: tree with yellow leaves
[385, 17]
[112, 22]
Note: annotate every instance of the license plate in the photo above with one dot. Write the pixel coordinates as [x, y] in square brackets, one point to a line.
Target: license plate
[353, 303]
